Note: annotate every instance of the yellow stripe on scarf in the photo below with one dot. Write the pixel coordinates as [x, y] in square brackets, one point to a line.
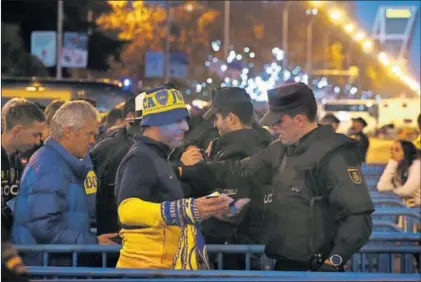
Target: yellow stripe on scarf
[191, 252]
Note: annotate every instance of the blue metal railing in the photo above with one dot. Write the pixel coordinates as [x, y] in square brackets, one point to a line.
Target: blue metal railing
[388, 203]
[385, 226]
[120, 275]
[377, 250]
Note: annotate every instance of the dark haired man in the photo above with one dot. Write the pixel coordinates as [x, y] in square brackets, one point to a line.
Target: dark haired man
[330, 119]
[23, 123]
[317, 200]
[232, 113]
[49, 112]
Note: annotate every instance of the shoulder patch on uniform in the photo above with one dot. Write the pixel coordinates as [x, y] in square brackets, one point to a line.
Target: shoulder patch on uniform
[355, 175]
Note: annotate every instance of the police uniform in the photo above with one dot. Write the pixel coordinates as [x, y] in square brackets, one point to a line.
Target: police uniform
[317, 200]
[11, 170]
[362, 139]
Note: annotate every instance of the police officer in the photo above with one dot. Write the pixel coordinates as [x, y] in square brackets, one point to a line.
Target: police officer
[318, 201]
[356, 132]
[23, 123]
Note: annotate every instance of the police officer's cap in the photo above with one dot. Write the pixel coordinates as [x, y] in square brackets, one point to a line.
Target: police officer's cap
[224, 97]
[286, 98]
[361, 121]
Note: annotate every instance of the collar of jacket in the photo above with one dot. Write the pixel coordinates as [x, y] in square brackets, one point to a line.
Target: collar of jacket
[321, 132]
[133, 129]
[234, 137]
[81, 167]
[162, 149]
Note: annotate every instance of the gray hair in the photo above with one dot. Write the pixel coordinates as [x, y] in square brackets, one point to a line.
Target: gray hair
[74, 114]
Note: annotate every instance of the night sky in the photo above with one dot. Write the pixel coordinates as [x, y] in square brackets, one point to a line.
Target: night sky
[366, 12]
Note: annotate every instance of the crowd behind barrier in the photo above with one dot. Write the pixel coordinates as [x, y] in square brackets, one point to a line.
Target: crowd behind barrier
[392, 247]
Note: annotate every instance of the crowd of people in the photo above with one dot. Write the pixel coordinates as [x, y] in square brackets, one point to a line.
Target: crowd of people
[165, 183]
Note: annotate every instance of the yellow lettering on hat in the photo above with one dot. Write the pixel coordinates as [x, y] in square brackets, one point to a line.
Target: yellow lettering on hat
[163, 100]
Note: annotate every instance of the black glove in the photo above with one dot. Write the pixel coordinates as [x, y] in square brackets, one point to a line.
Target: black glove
[328, 268]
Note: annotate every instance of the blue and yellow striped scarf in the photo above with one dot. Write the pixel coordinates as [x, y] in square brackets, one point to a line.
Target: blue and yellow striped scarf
[191, 252]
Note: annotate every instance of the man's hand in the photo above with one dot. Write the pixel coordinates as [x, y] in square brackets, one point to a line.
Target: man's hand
[191, 156]
[211, 206]
[105, 239]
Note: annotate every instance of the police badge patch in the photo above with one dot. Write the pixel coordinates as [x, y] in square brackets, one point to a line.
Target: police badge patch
[355, 175]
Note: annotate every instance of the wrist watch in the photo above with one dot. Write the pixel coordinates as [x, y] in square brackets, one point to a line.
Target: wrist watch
[336, 260]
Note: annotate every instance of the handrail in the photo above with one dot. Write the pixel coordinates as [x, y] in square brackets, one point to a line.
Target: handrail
[388, 201]
[398, 212]
[215, 248]
[384, 223]
[162, 273]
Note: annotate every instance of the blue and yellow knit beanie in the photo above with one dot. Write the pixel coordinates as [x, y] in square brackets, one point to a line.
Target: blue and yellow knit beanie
[163, 105]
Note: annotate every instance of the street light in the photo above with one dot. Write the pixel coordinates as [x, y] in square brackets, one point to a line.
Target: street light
[285, 14]
[335, 15]
[59, 37]
[360, 36]
[309, 65]
[368, 45]
[397, 70]
[227, 13]
[383, 58]
[316, 3]
[189, 7]
[349, 28]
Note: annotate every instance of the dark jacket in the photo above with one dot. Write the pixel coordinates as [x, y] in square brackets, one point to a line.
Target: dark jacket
[106, 157]
[235, 146]
[144, 180]
[363, 144]
[11, 172]
[53, 205]
[323, 164]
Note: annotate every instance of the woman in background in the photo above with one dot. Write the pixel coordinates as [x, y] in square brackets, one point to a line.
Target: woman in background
[402, 176]
[402, 173]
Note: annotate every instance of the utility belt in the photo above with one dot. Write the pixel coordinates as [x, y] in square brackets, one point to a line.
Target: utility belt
[314, 264]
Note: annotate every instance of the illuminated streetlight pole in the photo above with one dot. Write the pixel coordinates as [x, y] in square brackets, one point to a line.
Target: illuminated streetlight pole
[167, 44]
[285, 14]
[59, 37]
[309, 67]
[226, 27]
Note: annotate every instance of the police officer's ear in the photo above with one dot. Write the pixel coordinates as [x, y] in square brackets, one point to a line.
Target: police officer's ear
[232, 119]
[301, 120]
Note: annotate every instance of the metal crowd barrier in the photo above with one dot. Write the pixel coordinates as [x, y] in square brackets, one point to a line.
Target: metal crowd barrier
[388, 203]
[385, 226]
[372, 170]
[409, 218]
[247, 250]
[63, 274]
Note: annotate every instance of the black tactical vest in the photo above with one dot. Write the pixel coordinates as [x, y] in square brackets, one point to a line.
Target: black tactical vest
[298, 208]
